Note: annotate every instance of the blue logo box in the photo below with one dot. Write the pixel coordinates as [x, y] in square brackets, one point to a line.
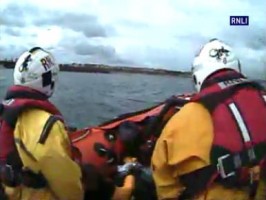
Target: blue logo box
[239, 20]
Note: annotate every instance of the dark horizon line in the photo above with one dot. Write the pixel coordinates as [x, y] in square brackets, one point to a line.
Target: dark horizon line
[102, 68]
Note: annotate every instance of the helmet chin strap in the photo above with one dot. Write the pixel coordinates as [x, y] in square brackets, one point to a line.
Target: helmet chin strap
[24, 65]
[52, 89]
[52, 85]
[194, 79]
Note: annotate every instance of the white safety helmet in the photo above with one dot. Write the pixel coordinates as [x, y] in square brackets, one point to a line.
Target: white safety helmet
[213, 56]
[38, 70]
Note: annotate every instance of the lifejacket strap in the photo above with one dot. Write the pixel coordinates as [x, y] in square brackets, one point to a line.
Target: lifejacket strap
[33, 180]
[12, 173]
[15, 177]
[228, 164]
[156, 126]
[47, 128]
[226, 78]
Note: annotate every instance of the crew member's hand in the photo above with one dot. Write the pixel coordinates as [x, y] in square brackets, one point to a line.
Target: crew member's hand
[129, 159]
[125, 192]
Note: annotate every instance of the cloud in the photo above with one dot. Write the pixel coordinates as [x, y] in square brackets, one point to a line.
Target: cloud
[256, 40]
[85, 23]
[13, 16]
[88, 49]
[12, 49]
[152, 33]
[99, 54]
[13, 31]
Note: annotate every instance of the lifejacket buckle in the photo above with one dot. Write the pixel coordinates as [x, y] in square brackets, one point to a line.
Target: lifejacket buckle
[251, 177]
[9, 172]
[221, 168]
[150, 144]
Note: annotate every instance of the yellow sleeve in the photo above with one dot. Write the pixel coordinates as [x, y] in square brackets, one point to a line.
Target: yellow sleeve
[53, 157]
[62, 173]
[167, 185]
[183, 146]
[261, 190]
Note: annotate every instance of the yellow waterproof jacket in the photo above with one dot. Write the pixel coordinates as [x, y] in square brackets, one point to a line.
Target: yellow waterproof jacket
[52, 159]
[184, 146]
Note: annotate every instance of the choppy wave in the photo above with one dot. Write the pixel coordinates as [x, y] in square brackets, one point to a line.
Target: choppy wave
[89, 99]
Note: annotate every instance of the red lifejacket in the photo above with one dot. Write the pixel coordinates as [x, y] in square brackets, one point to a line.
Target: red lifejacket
[238, 110]
[17, 100]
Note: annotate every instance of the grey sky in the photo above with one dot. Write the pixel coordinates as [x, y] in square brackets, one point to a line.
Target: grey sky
[152, 33]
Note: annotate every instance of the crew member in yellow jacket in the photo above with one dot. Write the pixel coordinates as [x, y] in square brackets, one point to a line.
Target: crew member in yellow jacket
[35, 150]
[214, 147]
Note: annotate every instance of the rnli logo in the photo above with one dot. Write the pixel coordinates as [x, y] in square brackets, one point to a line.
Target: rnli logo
[239, 20]
[47, 63]
[220, 54]
[24, 66]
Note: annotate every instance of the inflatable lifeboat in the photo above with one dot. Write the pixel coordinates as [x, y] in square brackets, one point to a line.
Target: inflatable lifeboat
[132, 134]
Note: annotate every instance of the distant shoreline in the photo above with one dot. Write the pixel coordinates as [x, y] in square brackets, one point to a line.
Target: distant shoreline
[96, 68]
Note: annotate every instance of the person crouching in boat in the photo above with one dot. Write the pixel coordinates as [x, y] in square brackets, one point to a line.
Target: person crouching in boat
[215, 146]
[35, 150]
